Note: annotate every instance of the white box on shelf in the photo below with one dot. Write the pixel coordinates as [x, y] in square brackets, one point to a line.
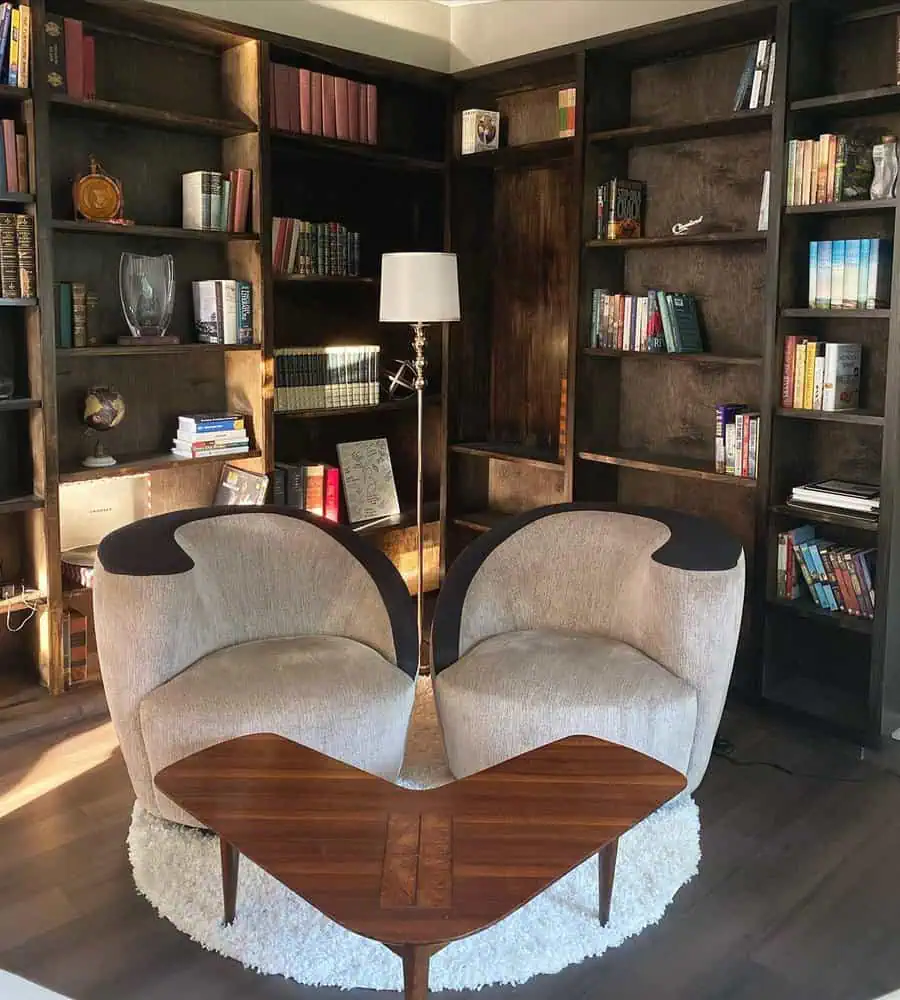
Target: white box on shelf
[480, 131]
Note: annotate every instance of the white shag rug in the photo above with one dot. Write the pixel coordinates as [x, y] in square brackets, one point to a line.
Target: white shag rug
[277, 932]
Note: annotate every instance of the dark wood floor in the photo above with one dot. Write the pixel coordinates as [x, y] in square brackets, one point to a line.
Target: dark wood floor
[798, 895]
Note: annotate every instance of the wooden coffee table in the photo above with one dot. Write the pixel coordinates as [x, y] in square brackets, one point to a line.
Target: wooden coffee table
[417, 869]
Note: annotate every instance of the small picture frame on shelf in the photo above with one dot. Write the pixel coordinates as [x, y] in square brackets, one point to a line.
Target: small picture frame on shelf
[480, 131]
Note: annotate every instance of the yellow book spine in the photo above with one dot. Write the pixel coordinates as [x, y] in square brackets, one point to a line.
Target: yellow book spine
[799, 374]
[24, 57]
[14, 28]
[809, 376]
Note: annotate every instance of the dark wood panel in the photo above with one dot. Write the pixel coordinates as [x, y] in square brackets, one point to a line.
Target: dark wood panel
[530, 115]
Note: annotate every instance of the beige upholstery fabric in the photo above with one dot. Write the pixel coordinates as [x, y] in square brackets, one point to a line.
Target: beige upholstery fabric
[519, 690]
[332, 694]
[592, 571]
[255, 576]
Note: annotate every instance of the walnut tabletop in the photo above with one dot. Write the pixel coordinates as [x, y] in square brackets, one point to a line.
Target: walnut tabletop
[417, 869]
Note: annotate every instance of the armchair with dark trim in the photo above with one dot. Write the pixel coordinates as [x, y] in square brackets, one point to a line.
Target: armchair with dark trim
[218, 622]
[616, 622]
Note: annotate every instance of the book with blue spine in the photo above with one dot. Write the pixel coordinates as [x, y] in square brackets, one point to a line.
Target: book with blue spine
[823, 275]
[836, 294]
[813, 271]
[851, 274]
[203, 423]
[878, 293]
[865, 257]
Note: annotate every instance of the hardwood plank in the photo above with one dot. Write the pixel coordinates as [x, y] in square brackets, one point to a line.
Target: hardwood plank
[672, 465]
[871, 101]
[157, 232]
[738, 123]
[835, 416]
[702, 358]
[130, 465]
[136, 351]
[844, 207]
[510, 453]
[175, 120]
[688, 239]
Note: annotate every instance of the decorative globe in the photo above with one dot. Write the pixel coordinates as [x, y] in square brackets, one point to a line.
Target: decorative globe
[104, 408]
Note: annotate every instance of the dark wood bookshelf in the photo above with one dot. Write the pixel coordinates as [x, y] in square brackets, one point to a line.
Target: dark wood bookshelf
[819, 516]
[8, 93]
[18, 302]
[431, 512]
[806, 313]
[129, 465]
[536, 457]
[700, 357]
[526, 154]
[323, 279]
[19, 403]
[805, 608]
[157, 117]
[844, 207]
[149, 350]
[15, 505]
[688, 239]
[835, 416]
[671, 465]
[84, 227]
[714, 126]
[16, 198]
[385, 406]
[875, 100]
[339, 148]
[480, 520]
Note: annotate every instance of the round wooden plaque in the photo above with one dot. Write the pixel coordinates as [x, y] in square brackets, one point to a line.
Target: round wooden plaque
[98, 196]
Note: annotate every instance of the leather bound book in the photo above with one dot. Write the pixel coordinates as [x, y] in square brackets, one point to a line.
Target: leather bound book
[90, 68]
[329, 123]
[341, 107]
[315, 102]
[242, 188]
[283, 98]
[22, 163]
[55, 48]
[363, 114]
[353, 110]
[305, 107]
[11, 160]
[9, 257]
[293, 77]
[371, 114]
[74, 41]
[273, 119]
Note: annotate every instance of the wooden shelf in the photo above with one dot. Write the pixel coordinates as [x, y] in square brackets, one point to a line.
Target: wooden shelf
[814, 698]
[843, 207]
[671, 465]
[13, 505]
[322, 279]
[688, 239]
[836, 313]
[122, 350]
[431, 512]
[19, 403]
[153, 116]
[526, 155]
[700, 358]
[481, 520]
[343, 411]
[133, 465]
[22, 601]
[739, 123]
[18, 302]
[825, 517]
[834, 416]
[536, 457]
[16, 198]
[156, 232]
[8, 93]
[805, 607]
[321, 146]
[868, 102]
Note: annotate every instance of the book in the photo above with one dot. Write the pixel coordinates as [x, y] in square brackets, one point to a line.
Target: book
[223, 311]
[23, 74]
[770, 76]
[79, 314]
[371, 114]
[479, 132]
[194, 423]
[180, 451]
[341, 108]
[329, 120]
[878, 291]
[865, 257]
[89, 59]
[850, 293]
[332, 493]
[813, 273]
[566, 107]
[195, 200]
[9, 257]
[315, 102]
[762, 222]
[836, 295]
[759, 73]
[742, 94]
[787, 378]
[809, 374]
[841, 376]
[353, 110]
[10, 160]
[73, 39]
[305, 99]
[369, 488]
[626, 199]
[818, 358]
[320, 378]
[725, 417]
[602, 211]
[240, 488]
[687, 325]
[12, 70]
[823, 275]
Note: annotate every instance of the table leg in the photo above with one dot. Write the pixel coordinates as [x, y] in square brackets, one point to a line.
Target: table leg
[606, 860]
[230, 858]
[416, 958]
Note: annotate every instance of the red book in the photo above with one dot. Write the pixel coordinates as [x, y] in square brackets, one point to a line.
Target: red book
[305, 107]
[12, 162]
[273, 118]
[283, 97]
[371, 114]
[90, 68]
[293, 77]
[332, 493]
[280, 238]
[363, 113]
[73, 33]
[353, 109]
[240, 192]
[329, 124]
[787, 372]
[315, 102]
[341, 107]
[620, 322]
[745, 444]
[315, 489]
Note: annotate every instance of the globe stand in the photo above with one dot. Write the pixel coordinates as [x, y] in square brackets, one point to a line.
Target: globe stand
[100, 459]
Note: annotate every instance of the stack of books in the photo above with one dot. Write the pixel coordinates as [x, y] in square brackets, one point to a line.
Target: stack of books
[850, 274]
[211, 200]
[71, 57]
[308, 103]
[838, 495]
[755, 88]
[211, 435]
[310, 486]
[820, 376]
[75, 315]
[830, 168]
[223, 311]
[620, 205]
[566, 104]
[325, 378]
[737, 440]
[17, 269]
[15, 43]
[320, 248]
[657, 322]
[837, 577]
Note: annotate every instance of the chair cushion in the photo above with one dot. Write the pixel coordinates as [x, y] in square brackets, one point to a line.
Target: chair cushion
[333, 694]
[519, 690]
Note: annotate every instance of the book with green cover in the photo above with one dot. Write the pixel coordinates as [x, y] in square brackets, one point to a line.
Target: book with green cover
[687, 325]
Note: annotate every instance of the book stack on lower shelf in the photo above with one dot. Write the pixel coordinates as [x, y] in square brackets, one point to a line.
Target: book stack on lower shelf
[311, 486]
[850, 274]
[305, 102]
[326, 378]
[658, 322]
[212, 200]
[322, 249]
[17, 266]
[836, 577]
[737, 440]
[211, 435]
[820, 376]
[830, 496]
[828, 169]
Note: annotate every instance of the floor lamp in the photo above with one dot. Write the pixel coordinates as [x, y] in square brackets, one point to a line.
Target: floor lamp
[419, 288]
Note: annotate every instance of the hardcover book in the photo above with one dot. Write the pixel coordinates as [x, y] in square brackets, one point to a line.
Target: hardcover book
[369, 488]
[240, 488]
[626, 203]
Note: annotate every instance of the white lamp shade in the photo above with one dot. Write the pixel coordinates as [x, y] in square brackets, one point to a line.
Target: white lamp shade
[419, 288]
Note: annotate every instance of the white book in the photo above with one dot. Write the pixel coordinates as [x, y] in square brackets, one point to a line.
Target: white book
[626, 326]
[730, 432]
[210, 437]
[292, 252]
[840, 503]
[759, 73]
[186, 452]
[818, 381]
[228, 292]
[841, 379]
[642, 323]
[223, 209]
[194, 188]
[770, 76]
[206, 313]
[22, 77]
[762, 223]
[214, 207]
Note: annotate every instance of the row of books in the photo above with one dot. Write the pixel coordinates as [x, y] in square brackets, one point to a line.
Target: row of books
[620, 204]
[309, 103]
[837, 577]
[310, 486]
[657, 322]
[320, 248]
[211, 435]
[737, 440]
[71, 57]
[757, 82]
[15, 44]
[73, 308]
[223, 311]
[15, 174]
[858, 499]
[850, 274]
[566, 104]
[323, 378]
[17, 267]
[212, 200]
[820, 376]
[830, 168]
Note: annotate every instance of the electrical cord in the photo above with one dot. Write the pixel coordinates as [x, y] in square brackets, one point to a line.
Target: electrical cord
[724, 750]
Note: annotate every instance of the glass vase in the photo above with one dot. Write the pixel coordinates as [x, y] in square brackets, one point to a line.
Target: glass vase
[147, 293]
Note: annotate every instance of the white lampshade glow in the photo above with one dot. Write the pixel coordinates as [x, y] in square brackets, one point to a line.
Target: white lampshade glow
[419, 288]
